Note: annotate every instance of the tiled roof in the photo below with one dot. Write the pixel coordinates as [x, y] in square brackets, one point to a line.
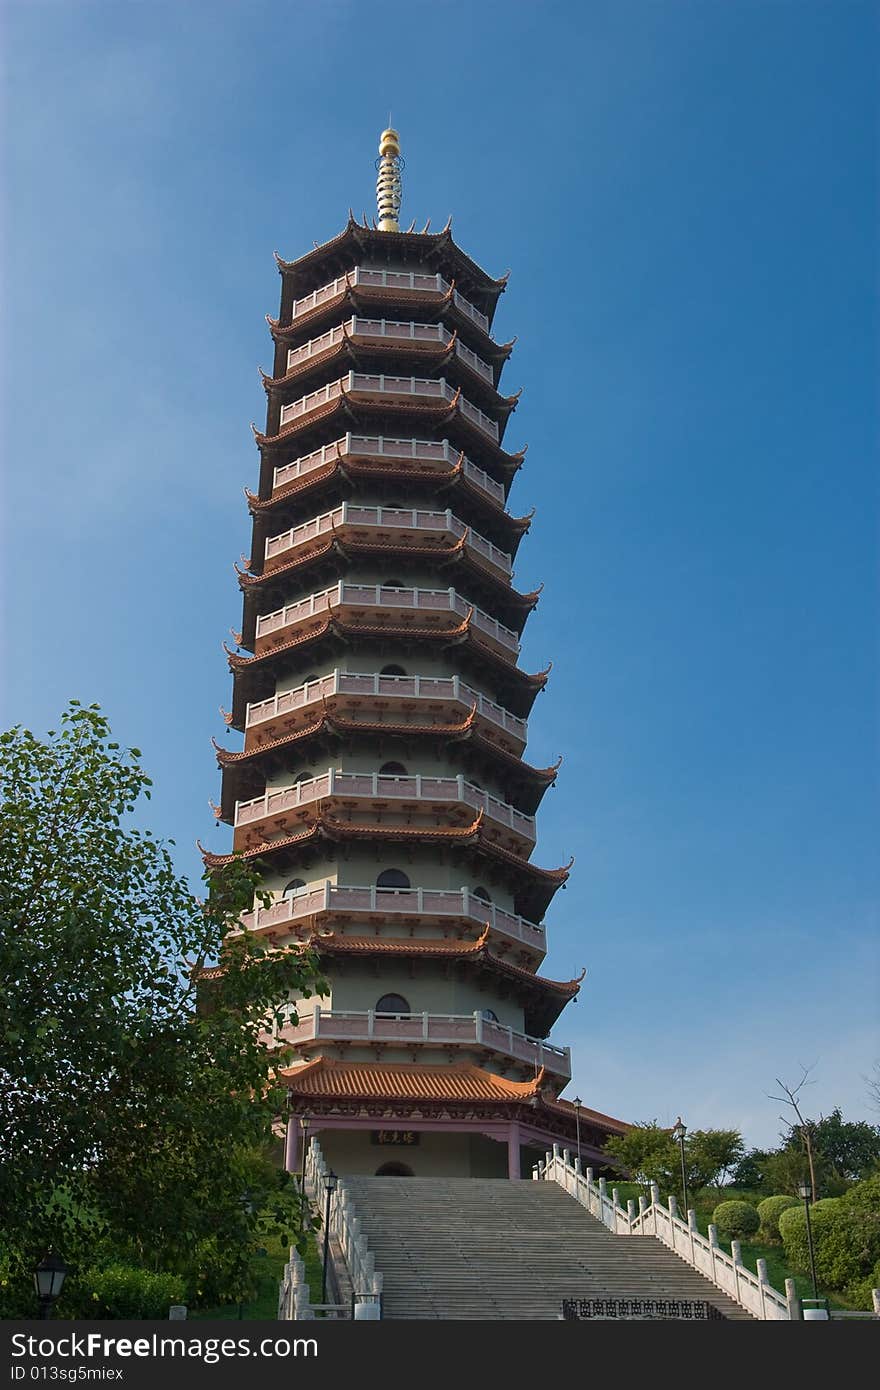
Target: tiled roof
[462, 1081]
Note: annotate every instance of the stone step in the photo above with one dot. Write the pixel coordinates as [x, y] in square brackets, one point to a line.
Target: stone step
[492, 1249]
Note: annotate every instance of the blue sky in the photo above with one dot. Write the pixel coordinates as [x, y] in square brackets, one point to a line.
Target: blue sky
[685, 195]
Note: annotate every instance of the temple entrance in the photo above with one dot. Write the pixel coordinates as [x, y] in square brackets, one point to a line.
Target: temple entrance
[394, 1170]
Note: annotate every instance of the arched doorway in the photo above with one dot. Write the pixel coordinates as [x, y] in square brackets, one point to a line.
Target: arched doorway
[394, 1170]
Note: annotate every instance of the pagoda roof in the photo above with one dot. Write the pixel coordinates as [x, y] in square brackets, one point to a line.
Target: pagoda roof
[453, 476]
[539, 884]
[435, 355]
[457, 1082]
[326, 1079]
[463, 632]
[342, 409]
[356, 238]
[458, 553]
[536, 779]
[363, 300]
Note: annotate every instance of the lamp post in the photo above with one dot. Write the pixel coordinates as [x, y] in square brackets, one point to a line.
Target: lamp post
[577, 1119]
[678, 1133]
[331, 1188]
[49, 1277]
[805, 1191]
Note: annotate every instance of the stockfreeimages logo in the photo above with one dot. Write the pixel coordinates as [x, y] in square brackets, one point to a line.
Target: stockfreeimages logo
[89, 1345]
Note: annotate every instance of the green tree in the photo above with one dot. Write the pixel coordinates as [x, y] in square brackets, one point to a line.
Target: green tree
[650, 1154]
[129, 1117]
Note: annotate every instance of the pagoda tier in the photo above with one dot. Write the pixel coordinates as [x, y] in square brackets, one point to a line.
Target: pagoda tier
[270, 669]
[382, 788]
[333, 475]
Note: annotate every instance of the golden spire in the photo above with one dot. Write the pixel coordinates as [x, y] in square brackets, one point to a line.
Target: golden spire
[389, 165]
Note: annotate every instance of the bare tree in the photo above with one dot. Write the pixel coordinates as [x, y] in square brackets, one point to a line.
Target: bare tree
[804, 1127]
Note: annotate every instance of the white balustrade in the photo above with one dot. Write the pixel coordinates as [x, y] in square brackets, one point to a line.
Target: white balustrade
[382, 596]
[396, 903]
[368, 1026]
[381, 384]
[366, 1280]
[408, 281]
[408, 688]
[654, 1219]
[390, 518]
[382, 786]
[378, 446]
[386, 330]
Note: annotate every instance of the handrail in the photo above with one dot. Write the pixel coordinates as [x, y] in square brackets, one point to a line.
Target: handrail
[396, 902]
[353, 1025]
[389, 518]
[382, 384]
[378, 446]
[403, 787]
[384, 596]
[752, 1291]
[388, 279]
[387, 687]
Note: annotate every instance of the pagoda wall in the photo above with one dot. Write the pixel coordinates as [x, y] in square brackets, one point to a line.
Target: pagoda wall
[436, 1155]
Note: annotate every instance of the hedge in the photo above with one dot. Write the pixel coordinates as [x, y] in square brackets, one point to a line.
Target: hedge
[738, 1220]
[770, 1211]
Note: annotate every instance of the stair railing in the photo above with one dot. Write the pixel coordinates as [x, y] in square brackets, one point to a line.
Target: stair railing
[651, 1218]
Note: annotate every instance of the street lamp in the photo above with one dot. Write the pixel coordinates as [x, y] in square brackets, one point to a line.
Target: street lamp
[678, 1133]
[805, 1191]
[577, 1119]
[49, 1276]
[330, 1189]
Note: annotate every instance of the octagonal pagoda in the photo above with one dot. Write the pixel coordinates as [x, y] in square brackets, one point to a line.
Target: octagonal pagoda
[382, 780]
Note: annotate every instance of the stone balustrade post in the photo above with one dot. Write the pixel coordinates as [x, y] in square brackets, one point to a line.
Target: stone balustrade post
[673, 1206]
[655, 1195]
[615, 1196]
[736, 1253]
[794, 1303]
[713, 1236]
[577, 1166]
[875, 1299]
[763, 1281]
[630, 1210]
[643, 1204]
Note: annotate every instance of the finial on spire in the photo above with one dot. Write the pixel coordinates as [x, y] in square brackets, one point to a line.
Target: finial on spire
[389, 165]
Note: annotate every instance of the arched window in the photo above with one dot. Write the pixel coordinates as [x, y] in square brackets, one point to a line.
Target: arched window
[304, 776]
[490, 1015]
[393, 878]
[394, 1170]
[392, 770]
[394, 584]
[392, 671]
[482, 893]
[294, 887]
[393, 1004]
[313, 677]
[395, 507]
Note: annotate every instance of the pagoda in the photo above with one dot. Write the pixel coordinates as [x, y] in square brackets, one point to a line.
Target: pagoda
[382, 783]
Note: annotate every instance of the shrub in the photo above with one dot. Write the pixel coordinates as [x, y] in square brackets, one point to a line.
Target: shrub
[737, 1220]
[123, 1291]
[770, 1211]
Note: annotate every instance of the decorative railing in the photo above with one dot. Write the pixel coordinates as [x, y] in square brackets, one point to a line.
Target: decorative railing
[442, 1030]
[407, 281]
[380, 786]
[409, 688]
[390, 519]
[379, 384]
[397, 903]
[390, 599]
[293, 1296]
[378, 446]
[387, 331]
[727, 1272]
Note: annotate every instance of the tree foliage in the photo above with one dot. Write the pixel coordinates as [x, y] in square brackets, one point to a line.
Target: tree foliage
[129, 1117]
[649, 1154]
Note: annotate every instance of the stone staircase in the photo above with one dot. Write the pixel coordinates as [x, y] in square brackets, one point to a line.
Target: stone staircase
[455, 1248]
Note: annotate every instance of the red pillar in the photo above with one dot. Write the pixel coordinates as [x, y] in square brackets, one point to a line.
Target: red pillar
[513, 1149]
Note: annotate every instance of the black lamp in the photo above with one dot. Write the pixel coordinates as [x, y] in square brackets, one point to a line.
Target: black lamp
[679, 1131]
[805, 1192]
[330, 1182]
[49, 1277]
[577, 1119]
